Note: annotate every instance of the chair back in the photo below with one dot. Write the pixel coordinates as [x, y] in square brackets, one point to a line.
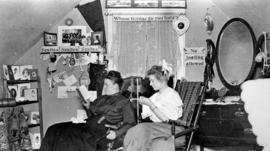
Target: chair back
[189, 93]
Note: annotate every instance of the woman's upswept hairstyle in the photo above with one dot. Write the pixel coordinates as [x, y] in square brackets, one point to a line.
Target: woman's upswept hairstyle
[159, 72]
[116, 77]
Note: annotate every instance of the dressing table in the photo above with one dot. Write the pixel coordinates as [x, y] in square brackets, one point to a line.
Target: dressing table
[224, 122]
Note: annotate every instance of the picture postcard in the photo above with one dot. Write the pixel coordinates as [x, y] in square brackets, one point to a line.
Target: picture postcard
[24, 72]
[5, 71]
[30, 94]
[16, 72]
[13, 91]
[21, 90]
[34, 118]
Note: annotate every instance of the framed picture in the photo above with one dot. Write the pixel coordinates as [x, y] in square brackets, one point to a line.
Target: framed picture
[50, 39]
[97, 38]
[33, 74]
[146, 3]
[118, 3]
[70, 35]
[173, 3]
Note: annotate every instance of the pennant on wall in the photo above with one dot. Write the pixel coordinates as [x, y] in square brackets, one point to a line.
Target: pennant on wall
[92, 13]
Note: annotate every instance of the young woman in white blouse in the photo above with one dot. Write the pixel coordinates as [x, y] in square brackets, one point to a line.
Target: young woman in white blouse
[165, 104]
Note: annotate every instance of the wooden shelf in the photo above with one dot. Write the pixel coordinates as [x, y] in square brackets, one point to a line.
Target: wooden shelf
[26, 102]
[20, 81]
[20, 103]
[33, 125]
[37, 85]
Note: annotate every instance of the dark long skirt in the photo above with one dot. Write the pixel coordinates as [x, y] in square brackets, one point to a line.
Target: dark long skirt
[74, 137]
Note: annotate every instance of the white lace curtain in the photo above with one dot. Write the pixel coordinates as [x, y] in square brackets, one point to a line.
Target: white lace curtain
[136, 46]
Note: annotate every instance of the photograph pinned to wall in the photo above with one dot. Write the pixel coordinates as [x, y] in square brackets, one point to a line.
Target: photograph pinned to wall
[97, 38]
[24, 72]
[50, 39]
[118, 3]
[30, 94]
[35, 140]
[86, 40]
[21, 90]
[145, 3]
[13, 91]
[34, 117]
[5, 71]
[16, 72]
[70, 35]
[174, 3]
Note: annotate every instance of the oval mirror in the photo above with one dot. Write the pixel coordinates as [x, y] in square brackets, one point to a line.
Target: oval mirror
[236, 50]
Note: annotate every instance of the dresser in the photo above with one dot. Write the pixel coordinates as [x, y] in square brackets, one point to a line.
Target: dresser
[225, 124]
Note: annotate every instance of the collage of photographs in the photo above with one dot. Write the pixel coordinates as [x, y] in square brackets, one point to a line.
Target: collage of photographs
[17, 72]
[73, 36]
[22, 91]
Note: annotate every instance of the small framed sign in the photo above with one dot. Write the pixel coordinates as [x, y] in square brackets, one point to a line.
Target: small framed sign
[118, 3]
[145, 3]
[173, 4]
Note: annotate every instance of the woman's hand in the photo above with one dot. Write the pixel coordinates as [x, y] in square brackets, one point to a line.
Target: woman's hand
[111, 135]
[86, 104]
[145, 101]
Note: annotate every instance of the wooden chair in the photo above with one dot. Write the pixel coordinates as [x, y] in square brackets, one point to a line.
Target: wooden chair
[192, 95]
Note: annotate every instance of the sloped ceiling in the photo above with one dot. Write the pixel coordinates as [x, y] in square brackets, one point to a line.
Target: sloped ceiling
[22, 23]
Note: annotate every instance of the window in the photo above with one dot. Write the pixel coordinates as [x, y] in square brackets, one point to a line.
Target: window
[137, 45]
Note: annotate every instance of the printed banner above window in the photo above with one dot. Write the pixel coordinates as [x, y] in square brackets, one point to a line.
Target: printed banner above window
[145, 17]
[146, 4]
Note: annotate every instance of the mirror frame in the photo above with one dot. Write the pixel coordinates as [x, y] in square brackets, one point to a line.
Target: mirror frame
[236, 88]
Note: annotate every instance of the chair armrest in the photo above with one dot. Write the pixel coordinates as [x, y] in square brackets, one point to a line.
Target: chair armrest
[186, 131]
[178, 122]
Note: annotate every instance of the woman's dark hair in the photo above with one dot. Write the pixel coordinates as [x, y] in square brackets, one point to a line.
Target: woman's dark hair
[158, 72]
[115, 76]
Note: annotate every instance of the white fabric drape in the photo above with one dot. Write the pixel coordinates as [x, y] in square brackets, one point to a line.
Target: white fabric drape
[136, 46]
